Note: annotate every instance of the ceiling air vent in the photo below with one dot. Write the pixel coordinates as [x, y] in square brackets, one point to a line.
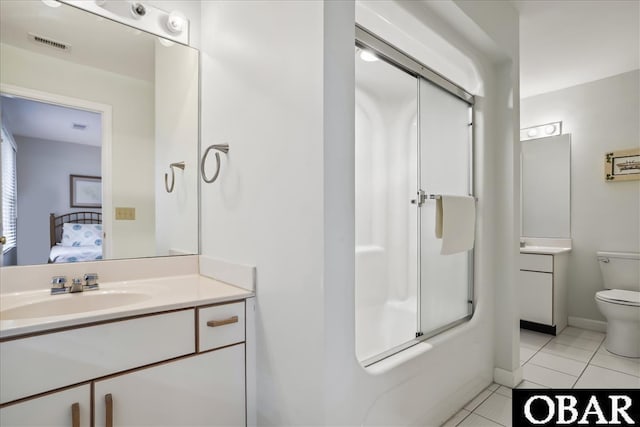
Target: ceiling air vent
[49, 42]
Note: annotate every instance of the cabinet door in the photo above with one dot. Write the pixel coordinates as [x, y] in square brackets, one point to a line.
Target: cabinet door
[203, 390]
[51, 410]
[536, 297]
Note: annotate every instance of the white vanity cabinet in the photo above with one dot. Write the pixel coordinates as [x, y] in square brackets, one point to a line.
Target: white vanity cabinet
[148, 370]
[206, 389]
[542, 291]
[69, 408]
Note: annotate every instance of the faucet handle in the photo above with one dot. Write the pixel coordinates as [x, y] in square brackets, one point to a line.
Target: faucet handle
[60, 281]
[90, 281]
[58, 285]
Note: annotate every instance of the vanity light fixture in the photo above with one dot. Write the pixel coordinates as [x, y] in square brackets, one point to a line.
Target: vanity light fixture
[176, 22]
[52, 3]
[541, 131]
[138, 10]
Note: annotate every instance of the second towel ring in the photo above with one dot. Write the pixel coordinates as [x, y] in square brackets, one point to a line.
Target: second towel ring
[220, 147]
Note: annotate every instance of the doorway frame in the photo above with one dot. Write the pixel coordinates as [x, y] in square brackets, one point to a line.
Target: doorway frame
[106, 117]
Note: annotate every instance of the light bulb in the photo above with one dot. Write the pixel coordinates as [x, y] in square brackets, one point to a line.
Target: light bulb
[176, 22]
[532, 132]
[367, 56]
[549, 129]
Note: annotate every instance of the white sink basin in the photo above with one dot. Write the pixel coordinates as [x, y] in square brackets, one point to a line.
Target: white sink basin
[58, 305]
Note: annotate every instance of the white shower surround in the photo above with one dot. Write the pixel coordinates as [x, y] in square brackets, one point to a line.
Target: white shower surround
[286, 202]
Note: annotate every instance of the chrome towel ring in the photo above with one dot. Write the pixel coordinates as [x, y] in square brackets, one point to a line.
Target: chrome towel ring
[220, 147]
[179, 165]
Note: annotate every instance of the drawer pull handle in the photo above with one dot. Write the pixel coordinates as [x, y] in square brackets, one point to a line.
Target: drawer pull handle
[108, 400]
[230, 320]
[75, 415]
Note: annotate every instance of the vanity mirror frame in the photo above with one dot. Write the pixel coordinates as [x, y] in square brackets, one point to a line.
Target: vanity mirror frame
[107, 135]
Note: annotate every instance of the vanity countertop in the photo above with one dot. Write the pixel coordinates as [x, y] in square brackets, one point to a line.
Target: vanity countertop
[142, 297]
[544, 250]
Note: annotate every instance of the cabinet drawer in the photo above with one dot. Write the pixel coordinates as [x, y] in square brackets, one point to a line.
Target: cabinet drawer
[535, 293]
[220, 325]
[46, 362]
[534, 262]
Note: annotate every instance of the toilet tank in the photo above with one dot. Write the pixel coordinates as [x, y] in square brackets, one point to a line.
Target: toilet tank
[620, 270]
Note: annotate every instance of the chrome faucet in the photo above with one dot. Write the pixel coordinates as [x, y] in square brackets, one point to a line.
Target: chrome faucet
[59, 284]
[76, 286]
[91, 282]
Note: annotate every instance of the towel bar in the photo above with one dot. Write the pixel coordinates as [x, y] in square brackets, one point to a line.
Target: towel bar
[422, 196]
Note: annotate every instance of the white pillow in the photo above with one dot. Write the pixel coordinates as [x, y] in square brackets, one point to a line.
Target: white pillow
[81, 234]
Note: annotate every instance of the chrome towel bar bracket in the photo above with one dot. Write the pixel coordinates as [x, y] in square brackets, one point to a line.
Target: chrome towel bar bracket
[219, 147]
[179, 165]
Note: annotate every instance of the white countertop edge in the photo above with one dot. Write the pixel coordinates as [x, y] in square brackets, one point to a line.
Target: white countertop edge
[544, 250]
[39, 325]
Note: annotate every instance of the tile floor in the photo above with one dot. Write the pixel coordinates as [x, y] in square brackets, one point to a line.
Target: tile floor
[576, 358]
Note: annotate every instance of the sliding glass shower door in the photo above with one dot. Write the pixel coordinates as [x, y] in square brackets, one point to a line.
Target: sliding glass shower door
[445, 169]
[413, 143]
[386, 224]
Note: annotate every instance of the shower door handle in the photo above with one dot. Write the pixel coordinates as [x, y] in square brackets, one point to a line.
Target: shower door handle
[420, 200]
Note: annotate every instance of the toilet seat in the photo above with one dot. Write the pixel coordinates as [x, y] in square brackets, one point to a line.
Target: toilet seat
[619, 296]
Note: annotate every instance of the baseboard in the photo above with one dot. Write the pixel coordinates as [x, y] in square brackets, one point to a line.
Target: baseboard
[538, 327]
[507, 378]
[590, 324]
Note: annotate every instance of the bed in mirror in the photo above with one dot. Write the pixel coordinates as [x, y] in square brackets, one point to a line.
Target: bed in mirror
[93, 114]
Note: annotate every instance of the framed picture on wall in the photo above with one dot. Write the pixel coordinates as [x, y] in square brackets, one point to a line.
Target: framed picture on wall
[86, 191]
[622, 165]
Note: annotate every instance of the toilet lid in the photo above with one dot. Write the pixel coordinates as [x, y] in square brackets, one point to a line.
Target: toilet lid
[619, 296]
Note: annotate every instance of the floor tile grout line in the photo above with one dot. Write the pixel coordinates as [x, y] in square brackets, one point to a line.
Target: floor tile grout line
[614, 370]
[568, 357]
[575, 346]
[587, 365]
[599, 340]
[554, 370]
[488, 419]
[477, 406]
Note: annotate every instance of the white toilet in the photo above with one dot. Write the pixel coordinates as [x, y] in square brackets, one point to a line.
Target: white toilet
[619, 303]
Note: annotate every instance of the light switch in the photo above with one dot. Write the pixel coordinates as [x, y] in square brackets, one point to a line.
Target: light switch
[126, 214]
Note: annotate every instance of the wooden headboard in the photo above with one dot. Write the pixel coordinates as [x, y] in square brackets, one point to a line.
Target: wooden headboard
[56, 222]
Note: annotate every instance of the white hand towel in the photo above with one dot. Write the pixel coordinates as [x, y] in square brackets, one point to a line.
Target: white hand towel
[455, 223]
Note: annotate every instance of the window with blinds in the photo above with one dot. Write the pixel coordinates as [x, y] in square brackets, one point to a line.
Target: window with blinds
[9, 191]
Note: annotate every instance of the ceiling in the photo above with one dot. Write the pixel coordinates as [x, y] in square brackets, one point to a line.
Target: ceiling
[94, 41]
[54, 123]
[564, 43]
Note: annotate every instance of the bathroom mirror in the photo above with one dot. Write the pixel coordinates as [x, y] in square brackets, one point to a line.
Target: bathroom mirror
[546, 187]
[94, 112]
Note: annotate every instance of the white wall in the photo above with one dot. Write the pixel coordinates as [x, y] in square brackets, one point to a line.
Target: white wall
[277, 84]
[43, 187]
[132, 183]
[262, 93]
[601, 116]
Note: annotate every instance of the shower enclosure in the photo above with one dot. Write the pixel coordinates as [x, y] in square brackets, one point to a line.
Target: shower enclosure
[413, 139]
